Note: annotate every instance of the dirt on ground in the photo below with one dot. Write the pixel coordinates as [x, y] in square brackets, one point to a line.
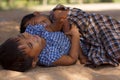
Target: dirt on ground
[9, 26]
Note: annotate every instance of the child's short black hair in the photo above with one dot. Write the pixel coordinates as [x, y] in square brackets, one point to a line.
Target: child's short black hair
[25, 19]
[13, 58]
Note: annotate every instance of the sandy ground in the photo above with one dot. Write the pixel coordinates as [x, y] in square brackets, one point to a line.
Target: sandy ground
[9, 26]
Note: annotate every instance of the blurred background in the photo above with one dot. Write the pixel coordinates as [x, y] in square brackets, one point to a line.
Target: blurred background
[12, 11]
[10, 4]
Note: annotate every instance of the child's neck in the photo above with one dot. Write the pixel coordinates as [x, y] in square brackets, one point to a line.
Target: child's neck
[43, 43]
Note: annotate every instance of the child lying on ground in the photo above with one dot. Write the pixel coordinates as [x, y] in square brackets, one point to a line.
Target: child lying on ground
[100, 34]
[46, 48]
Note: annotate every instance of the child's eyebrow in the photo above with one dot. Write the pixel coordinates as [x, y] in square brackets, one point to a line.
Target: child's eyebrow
[21, 36]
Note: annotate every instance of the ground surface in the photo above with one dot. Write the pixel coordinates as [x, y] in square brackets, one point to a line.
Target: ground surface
[9, 26]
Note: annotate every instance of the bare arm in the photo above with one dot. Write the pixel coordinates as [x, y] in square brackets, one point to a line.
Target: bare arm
[74, 51]
[60, 25]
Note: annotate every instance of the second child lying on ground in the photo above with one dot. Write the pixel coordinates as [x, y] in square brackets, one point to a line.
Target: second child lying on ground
[100, 34]
[40, 18]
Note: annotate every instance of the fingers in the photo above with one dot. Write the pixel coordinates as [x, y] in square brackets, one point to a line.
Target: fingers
[73, 25]
[68, 33]
[74, 31]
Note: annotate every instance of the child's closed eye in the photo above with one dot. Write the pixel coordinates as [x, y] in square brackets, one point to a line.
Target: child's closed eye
[30, 45]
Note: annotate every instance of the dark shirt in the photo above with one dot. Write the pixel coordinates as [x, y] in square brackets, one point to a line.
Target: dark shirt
[100, 36]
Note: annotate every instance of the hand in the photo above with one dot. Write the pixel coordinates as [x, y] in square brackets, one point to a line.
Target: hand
[74, 31]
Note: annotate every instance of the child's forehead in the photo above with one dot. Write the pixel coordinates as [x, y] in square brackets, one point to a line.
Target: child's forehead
[20, 37]
[21, 40]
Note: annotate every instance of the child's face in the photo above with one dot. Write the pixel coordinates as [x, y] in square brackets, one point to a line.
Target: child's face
[30, 44]
[60, 14]
[39, 19]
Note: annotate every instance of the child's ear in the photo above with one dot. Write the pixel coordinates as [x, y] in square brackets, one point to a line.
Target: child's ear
[34, 62]
[36, 13]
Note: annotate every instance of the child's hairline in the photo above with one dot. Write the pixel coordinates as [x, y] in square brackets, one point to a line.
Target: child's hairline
[16, 40]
